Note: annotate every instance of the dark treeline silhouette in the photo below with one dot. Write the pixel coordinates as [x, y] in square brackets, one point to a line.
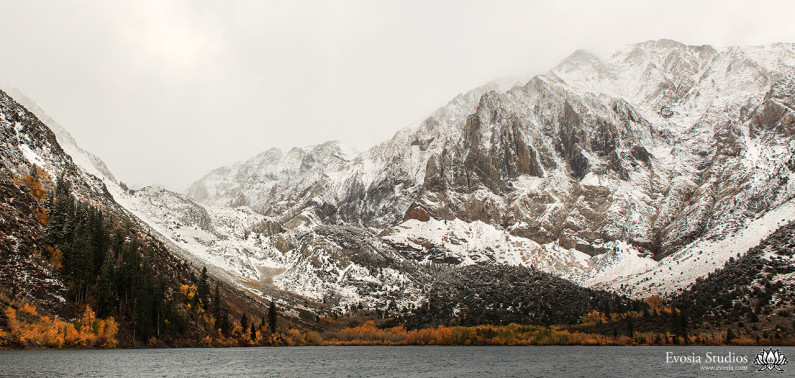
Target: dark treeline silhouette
[108, 268]
[501, 294]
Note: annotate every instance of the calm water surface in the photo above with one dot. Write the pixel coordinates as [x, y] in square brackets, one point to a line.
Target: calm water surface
[383, 361]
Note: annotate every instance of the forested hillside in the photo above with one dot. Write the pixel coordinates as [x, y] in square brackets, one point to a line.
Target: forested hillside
[74, 274]
[752, 294]
[502, 294]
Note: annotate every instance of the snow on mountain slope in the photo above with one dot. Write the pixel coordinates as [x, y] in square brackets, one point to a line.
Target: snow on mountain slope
[598, 169]
[675, 272]
[206, 233]
[461, 243]
[336, 266]
[369, 189]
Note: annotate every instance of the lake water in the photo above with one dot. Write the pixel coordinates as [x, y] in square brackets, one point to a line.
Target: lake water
[574, 361]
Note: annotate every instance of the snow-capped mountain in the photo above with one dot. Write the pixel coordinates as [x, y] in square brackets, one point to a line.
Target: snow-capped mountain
[638, 174]
[332, 183]
[609, 173]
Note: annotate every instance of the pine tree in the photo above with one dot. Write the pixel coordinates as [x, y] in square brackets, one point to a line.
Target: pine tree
[217, 325]
[244, 322]
[226, 327]
[217, 303]
[683, 327]
[159, 305]
[59, 210]
[70, 220]
[117, 243]
[100, 242]
[204, 288]
[729, 336]
[106, 293]
[272, 316]
[130, 265]
[630, 328]
[144, 307]
[79, 263]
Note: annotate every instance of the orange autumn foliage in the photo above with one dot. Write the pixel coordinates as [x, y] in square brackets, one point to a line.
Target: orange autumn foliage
[189, 292]
[27, 308]
[56, 257]
[656, 304]
[27, 329]
[512, 334]
[36, 190]
[34, 186]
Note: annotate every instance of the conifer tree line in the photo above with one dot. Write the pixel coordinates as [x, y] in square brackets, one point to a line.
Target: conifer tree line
[220, 313]
[105, 266]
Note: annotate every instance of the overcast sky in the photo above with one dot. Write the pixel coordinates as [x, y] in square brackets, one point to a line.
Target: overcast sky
[165, 91]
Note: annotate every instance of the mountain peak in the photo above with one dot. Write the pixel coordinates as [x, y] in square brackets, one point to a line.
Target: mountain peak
[581, 60]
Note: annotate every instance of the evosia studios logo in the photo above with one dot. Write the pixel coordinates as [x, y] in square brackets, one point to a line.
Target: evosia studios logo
[769, 359]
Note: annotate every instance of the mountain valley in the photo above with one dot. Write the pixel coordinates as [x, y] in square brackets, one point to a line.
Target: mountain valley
[611, 181]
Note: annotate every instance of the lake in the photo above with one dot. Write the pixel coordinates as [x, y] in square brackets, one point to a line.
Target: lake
[569, 361]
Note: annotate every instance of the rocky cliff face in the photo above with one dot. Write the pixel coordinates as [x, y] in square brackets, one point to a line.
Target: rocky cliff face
[331, 183]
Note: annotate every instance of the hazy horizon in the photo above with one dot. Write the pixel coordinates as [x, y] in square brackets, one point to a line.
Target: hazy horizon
[164, 92]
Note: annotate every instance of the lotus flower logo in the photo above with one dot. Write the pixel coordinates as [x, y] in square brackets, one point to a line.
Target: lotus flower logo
[769, 359]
